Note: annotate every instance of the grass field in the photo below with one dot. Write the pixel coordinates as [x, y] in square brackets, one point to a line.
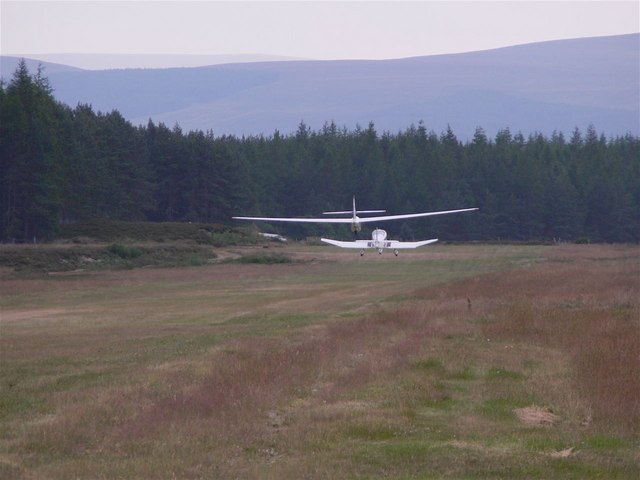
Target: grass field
[454, 361]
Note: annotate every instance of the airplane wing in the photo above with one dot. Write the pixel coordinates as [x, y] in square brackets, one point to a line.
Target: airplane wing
[395, 244]
[303, 220]
[412, 215]
[350, 220]
[360, 244]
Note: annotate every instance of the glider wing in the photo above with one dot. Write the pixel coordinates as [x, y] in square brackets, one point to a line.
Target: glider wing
[302, 220]
[411, 215]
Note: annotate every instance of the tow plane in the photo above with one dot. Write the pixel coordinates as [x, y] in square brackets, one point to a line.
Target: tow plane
[378, 241]
[355, 221]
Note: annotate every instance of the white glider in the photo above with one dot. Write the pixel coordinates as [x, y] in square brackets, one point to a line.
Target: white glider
[354, 220]
[379, 242]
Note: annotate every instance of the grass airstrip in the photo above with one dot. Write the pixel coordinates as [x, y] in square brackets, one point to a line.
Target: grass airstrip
[453, 361]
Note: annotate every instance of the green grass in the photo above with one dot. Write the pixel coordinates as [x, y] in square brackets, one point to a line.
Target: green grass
[466, 374]
[15, 403]
[604, 442]
[78, 381]
[444, 402]
[503, 374]
[502, 409]
[370, 433]
[430, 364]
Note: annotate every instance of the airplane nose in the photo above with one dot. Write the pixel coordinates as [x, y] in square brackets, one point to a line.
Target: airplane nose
[378, 235]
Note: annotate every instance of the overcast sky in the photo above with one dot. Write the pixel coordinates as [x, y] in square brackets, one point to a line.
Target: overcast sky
[318, 30]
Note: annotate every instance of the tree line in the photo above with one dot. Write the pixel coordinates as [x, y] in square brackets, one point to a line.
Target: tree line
[63, 165]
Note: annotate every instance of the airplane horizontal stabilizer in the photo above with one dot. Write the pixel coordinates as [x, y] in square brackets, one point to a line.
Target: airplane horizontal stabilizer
[349, 212]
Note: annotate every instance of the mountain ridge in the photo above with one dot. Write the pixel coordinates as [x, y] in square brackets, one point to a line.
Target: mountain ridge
[113, 61]
[540, 87]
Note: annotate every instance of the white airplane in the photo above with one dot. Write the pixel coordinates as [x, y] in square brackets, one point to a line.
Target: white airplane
[378, 241]
[354, 220]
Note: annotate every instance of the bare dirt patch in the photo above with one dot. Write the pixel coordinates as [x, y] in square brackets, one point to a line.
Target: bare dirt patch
[30, 315]
[536, 416]
[566, 453]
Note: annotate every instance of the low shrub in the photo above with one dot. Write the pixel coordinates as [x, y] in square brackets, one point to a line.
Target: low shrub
[124, 252]
[265, 259]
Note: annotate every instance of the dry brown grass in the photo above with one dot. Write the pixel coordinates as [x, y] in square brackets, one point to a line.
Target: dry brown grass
[588, 308]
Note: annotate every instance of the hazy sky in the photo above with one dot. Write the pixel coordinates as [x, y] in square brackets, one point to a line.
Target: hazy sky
[318, 30]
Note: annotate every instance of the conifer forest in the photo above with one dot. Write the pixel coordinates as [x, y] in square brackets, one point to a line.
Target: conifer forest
[62, 164]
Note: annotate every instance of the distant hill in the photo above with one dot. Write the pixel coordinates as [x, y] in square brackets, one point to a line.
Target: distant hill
[542, 87]
[8, 65]
[104, 61]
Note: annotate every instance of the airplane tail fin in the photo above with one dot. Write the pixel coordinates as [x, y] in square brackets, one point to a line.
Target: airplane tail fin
[353, 212]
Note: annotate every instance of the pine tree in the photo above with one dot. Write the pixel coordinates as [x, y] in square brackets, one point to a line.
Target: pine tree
[30, 201]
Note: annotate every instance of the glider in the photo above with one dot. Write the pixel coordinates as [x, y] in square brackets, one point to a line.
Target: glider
[379, 242]
[354, 220]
